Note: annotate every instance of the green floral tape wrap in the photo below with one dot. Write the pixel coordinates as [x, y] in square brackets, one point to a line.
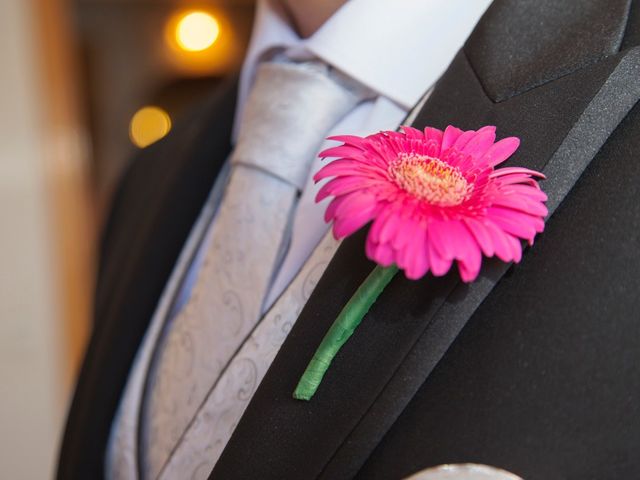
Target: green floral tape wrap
[342, 328]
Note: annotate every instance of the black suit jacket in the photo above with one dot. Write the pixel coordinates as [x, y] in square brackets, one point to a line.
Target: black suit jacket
[544, 378]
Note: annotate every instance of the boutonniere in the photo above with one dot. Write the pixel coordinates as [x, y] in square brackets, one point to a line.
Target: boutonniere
[433, 198]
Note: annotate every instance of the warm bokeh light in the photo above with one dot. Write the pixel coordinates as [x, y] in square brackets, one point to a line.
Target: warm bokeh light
[201, 41]
[196, 31]
[148, 125]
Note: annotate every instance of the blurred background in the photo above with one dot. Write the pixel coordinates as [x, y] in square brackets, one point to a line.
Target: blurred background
[83, 85]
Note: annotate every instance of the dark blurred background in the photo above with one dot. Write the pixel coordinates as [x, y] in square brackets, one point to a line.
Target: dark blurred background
[84, 84]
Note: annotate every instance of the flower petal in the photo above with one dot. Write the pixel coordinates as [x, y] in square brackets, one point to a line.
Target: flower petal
[451, 134]
[353, 214]
[330, 212]
[438, 237]
[500, 151]
[380, 253]
[411, 132]
[343, 185]
[378, 223]
[417, 252]
[516, 170]
[480, 143]
[341, 151]
[501, 244]
[348, 167]
[522, 203]
[402, 224]
[529, 191]
[516, 223]
[439, 265]
[459, 238]
[482, 236]
[516, 248]
[352, 140]
[463, 139]
[434, 134]
[469, 266]
[391, 224]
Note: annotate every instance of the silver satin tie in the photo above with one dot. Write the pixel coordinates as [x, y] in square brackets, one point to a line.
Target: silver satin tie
[290, 108]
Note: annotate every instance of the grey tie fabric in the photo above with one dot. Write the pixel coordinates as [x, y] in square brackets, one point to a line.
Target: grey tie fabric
[121, 459]
[290, 108]
[203, 443]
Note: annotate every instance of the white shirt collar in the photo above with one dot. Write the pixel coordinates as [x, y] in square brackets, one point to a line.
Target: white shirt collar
[397, 48]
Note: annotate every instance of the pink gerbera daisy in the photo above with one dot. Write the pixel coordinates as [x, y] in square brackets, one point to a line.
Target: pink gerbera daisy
[434, 197]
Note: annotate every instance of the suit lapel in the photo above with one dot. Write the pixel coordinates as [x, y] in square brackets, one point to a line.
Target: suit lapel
[379, 369]
[590, 132]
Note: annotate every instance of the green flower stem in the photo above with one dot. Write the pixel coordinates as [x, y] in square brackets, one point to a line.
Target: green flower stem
[343, 327]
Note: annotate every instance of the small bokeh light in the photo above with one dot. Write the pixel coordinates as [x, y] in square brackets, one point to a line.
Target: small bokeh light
[148, 125]
[196, 31]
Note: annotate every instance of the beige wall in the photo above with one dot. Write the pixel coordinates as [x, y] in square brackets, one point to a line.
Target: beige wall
[38, 151]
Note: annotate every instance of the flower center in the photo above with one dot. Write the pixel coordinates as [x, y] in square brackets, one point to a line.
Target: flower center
[430, 179]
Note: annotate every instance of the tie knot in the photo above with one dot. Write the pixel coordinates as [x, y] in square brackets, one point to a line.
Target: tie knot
[290, 109]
